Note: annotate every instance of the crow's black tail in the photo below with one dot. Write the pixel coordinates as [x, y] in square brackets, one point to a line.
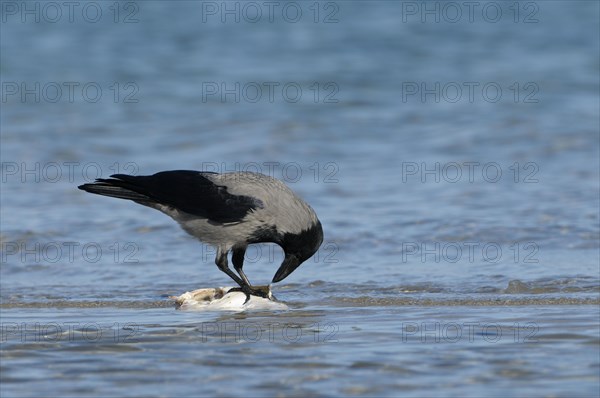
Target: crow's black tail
[118, 186]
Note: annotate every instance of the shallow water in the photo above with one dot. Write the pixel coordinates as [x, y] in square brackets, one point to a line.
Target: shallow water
[462, 238]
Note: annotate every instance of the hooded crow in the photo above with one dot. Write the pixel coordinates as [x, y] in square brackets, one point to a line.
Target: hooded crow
[228, 211]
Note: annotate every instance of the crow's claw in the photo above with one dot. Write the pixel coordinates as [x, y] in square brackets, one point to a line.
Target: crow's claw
[249, 291]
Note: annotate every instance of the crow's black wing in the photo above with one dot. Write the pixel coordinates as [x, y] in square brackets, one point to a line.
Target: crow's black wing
[188, 191]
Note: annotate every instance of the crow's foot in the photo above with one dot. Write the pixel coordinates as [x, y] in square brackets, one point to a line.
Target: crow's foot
[250, 291]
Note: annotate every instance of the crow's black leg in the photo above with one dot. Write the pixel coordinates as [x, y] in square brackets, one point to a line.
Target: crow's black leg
[221, 261]
[237, 258]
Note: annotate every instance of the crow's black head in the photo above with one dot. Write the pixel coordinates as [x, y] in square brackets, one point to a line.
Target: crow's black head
[298, 248]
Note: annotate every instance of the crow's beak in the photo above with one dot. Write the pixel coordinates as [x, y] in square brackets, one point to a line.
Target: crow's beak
[289, 264]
